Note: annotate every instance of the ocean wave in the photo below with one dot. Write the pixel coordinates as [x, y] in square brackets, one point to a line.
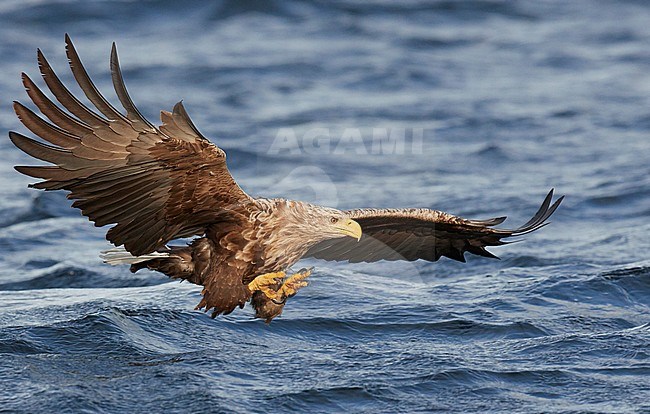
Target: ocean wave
[512, 100]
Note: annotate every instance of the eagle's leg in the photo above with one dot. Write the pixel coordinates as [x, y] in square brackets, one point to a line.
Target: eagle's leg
[278, 288]
[267, 283]
[271, 290]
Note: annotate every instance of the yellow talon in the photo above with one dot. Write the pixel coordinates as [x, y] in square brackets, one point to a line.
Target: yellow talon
[267, 283]
[294, 283]
[278, 288]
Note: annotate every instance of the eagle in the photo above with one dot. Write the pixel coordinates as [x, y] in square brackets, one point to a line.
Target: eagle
[155, 184]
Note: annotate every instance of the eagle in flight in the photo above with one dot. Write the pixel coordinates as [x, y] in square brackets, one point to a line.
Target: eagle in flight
[160, 183]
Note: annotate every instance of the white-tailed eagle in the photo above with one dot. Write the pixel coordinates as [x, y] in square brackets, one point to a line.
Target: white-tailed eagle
[160, 183]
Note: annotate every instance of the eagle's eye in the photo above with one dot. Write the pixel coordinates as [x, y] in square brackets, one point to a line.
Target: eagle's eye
[333, 220]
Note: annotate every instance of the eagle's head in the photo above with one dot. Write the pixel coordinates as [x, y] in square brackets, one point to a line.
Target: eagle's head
[335, 223]
[317, 223]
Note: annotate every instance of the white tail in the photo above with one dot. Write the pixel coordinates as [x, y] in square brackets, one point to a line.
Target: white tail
[119, 256]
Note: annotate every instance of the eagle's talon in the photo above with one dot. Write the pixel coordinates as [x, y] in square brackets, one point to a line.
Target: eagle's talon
[294, 283]
[279, 302]
[265, 281]
[268, 284]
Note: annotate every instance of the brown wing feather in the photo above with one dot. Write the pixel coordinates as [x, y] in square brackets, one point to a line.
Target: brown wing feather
[155, 184]
[412, 234]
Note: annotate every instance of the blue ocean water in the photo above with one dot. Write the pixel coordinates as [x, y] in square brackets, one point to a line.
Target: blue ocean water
[498, 101]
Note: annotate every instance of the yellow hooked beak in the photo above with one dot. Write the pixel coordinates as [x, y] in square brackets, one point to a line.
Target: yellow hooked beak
[350, 228]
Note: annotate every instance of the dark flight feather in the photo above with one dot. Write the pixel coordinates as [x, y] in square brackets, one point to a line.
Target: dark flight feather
[107, 152]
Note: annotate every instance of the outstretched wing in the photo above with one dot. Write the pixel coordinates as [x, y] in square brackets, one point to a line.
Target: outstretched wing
[156, 184]
[411, 234]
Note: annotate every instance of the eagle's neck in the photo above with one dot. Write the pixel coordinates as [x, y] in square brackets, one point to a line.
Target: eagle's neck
[287, 229]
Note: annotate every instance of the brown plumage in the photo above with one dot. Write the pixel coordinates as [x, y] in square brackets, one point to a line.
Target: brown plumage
[157, 184]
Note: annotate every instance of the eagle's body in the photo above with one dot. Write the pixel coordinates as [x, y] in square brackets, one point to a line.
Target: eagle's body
[157, 184]
[251, 239]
